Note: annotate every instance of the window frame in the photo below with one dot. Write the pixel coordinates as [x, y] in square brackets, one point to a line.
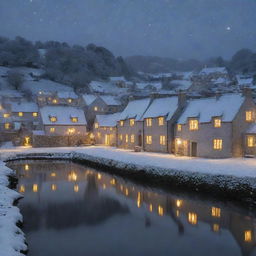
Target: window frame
[217, 144]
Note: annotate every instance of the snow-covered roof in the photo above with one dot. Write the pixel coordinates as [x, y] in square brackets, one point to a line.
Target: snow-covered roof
[110, 100]
[117, 79]
[135, 109]
[181, 84]
[63, 115]
[24, 107]
[220, 80]
[143, 85]
[89, 98]
[207, 71]
[10, 93]
[108, 120]
[225, 106]
[67, 95]
[162, 107]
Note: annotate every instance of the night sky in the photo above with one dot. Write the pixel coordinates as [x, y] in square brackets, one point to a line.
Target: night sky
[170, 28]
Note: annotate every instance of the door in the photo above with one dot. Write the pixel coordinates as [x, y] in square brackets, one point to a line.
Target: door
[193, 149]
[107, 140]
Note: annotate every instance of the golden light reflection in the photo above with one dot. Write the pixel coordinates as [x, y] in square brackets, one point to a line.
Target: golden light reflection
[139, 200]
[26, 167]
[216, 227]
[126, 192]
[22, 189]
[35, 188]
[76, 188]
[121, 187]
[99, 176]
[72, 176]
[248, 236]
[216, 212]
[192, 218]
[178, 203]
[151, 207]
[178, 213]
[104, 186]
[53, 174]
[54, 187]
[113, 182]
[160, 210]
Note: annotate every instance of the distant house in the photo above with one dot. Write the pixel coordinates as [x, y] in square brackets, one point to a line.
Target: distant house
[159, 119]
[130, 124]
[214, 127]
[104, 130]
[119, 81]
[12, 95]
[68, 98]
[214, 73]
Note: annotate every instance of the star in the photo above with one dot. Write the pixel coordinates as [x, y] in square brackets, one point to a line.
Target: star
[228, 28]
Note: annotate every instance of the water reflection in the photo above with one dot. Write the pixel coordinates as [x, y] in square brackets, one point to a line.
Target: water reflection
[123, 216]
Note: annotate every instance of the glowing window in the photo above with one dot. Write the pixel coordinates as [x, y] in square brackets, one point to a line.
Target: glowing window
[20, 114]
[139, 200]
[34, 114]
[7, 126]
[149, 122]
[132, 122]
[217, 144]
[178, 203]
[160, 210]
[69, 100]
[132, 138]
[193, 125]
[216, 212]
[35, 188]
[99, 134]
[96, 125]
[149, 139]
[179, 127]
[250, 141]
[53, 119]
[6, 115]
[162, 140]
[54, 101]
[121, 123]
[52, 129]
[160, 121]
[54, 187]
[71, 131]
[121, 137]
[249, 116]
[95, 108]
[217, 122]
[192, 218]
[151, 208]
[216, 227]
[126, 138]
[248, 236]
[74, 119]
[22, 189]
[76, 188]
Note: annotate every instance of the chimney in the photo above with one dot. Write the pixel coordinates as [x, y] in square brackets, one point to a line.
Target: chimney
[182, 99]
[247, 92]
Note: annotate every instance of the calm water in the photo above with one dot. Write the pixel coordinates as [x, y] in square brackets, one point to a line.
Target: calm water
[72, 210]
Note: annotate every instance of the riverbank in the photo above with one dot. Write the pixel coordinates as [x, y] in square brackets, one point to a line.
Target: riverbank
[12, 239]
[228, 178]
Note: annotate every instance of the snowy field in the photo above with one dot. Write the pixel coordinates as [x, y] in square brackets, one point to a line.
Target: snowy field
[12, 239]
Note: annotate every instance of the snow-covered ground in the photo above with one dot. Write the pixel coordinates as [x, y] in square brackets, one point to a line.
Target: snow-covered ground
[12, 239]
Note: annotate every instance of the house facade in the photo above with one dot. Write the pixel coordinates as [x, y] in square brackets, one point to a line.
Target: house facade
[215, 127]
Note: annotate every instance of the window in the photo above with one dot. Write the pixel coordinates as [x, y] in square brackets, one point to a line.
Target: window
[110, 128]
[121, 123]
[99, 135]
[248, 116]
[162, 140]
[132, 138]
[217, 144]
[54, 101]
[160, 121]
[71, 131]
[193, 125]
[7, 126]
[217, 122]
[96, 125]
[216, 212]
[20, 114]
[149, 139]
[179, 127]
[160, 210]
[69, 100]
[120, 137]
[74, 119]
[34, 114]
[149, 122]
[248, 236]
[52, 129]
[132, 122]
[192, 218]
[6, 115]
[95, 108]
[250, 141]
[126, 138]
[53, 119]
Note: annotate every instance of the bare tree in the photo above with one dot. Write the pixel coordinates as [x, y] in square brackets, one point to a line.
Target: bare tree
[15, 79]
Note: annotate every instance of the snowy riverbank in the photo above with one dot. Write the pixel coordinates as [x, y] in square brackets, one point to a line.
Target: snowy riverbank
[237, 177]
[12, 240]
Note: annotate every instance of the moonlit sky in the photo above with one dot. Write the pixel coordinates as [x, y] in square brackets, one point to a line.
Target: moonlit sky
[168, 28]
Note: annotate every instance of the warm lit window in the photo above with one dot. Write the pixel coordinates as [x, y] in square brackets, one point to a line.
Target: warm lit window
[248, 116]
[69, 100]
[74, 119]
[96, 125]
[248, 236]
[53, 119]
[35, 188]
[52, 129]
[126, 138]
[132, 138]
[20, 114]
[121, 137]
[149, 122]
[132, 122]
[121, 123]
[217, 122]
[54, 187]
[71, 130]
[54, 101]
[162, 140]
[6, 115]
[179, 127]
[192, 218]
[149, 139]
[160, 121]
[215, 212]
[76, 188]
[160, 210]
[250, 141]
[110, 128]
[193, 125]
[216, 227]
[7, 126]
[104, 128]
[217, 144]
[34, 114]
[178, 203]
[95, 108]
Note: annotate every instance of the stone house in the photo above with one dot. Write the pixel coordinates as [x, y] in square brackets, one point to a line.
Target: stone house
[215, 127]
[158, 123]
[104, 129]
[130, 124]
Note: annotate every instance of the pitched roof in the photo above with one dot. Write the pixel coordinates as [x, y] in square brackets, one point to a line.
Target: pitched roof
[110, 100]
[63, 115]
[225, 106]
[207, 71]
[67, 95]
[89, 98]
[24, 107]
[108, 120]
[162, 107]
[135, 109]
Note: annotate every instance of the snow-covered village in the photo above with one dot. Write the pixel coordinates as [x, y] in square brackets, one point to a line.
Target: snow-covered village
[127, 128]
